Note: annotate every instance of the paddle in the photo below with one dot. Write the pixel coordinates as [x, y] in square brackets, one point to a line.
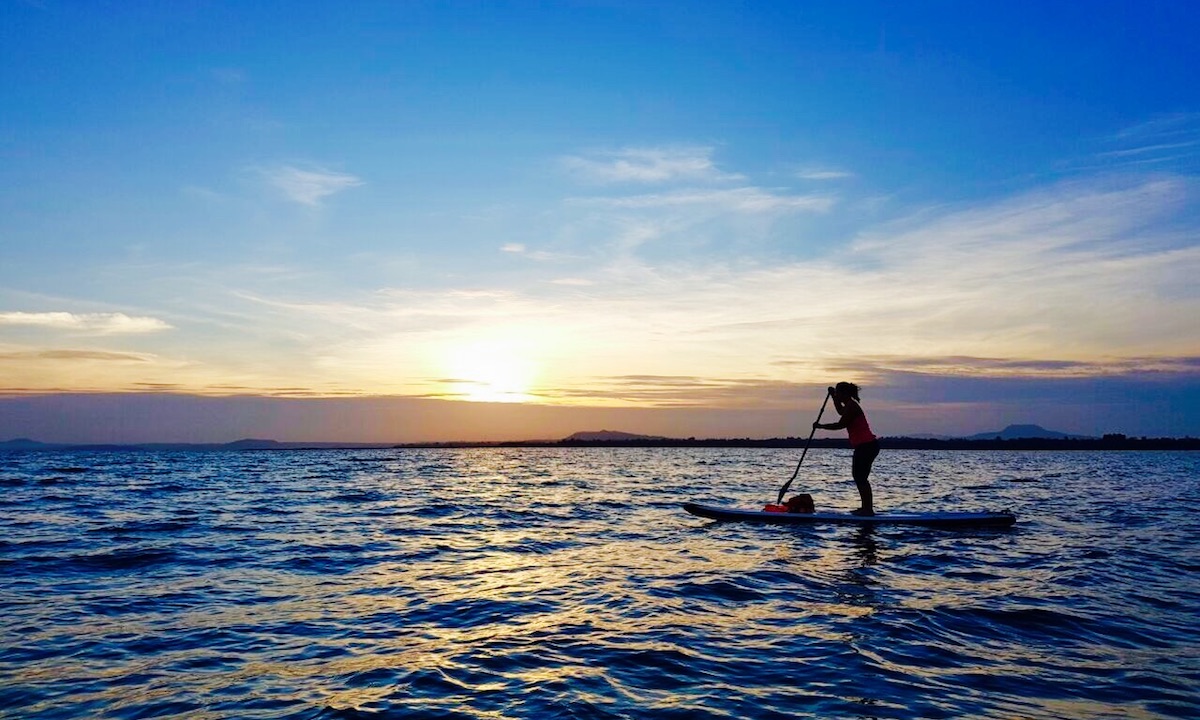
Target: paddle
[788, 484]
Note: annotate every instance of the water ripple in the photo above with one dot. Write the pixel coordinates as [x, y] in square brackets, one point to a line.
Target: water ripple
[491, 584]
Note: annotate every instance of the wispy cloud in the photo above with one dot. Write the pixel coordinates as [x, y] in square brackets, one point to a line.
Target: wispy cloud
[1160, 151]
[1024, 368]
[307, 186]
[1170, 125]
[76, 356]
[1162, 143]
[682, 391]
[744, 200]
[524, 251]
[648, 165]
[98, 323]
[697, 212]
[823, 174]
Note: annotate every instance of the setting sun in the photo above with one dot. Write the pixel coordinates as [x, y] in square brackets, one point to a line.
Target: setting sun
[492, 371]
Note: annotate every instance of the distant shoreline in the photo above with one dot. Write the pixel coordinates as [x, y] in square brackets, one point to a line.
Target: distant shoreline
[1108, 442]
[888, 443]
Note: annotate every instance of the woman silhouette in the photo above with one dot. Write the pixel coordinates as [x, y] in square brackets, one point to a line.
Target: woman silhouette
[864, 442]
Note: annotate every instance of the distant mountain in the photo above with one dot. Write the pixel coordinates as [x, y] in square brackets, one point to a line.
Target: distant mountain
[253, 444]
[23, 444]
[607, 436]
[1023, 432]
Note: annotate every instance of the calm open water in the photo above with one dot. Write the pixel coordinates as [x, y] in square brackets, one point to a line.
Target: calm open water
[546, 583]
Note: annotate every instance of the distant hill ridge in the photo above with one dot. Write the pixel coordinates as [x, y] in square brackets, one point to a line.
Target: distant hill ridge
[1012, 432]
[24, 443]
[608, 436]
[1025, 432]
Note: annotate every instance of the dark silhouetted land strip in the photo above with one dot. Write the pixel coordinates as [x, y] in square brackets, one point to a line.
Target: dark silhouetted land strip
[1108, 442]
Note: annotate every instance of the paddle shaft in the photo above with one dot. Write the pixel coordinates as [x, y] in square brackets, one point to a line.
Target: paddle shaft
[788, 484]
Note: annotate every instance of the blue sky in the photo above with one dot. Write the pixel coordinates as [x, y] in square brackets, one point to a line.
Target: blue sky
[684, 219]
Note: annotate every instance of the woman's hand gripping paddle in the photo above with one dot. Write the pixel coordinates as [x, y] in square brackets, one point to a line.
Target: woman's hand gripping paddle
[788, 484]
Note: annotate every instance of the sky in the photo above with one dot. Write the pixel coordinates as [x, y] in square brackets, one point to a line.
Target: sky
[381, 221]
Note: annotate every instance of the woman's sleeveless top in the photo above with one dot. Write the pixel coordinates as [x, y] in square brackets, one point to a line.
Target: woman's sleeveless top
[859, 429]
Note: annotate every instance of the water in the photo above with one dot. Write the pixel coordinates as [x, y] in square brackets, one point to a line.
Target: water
[545, 583]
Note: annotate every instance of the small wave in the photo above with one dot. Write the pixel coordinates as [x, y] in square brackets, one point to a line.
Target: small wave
[364, 496]
[146, 527]
[56, 498]
[333, 559]
[131, 559]
[432, 469]
[472, 612]
[1051, 627]
[719, 590]
[436, 510]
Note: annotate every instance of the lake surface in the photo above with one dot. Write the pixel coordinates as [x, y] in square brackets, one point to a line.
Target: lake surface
[548, 583]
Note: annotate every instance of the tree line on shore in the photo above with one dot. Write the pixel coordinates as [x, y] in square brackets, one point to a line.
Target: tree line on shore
[1108, 442]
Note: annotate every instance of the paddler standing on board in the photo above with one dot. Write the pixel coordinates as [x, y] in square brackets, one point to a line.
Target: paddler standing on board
[864, 442]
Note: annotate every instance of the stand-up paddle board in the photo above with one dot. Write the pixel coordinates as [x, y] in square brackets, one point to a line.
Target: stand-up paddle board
[933, 519]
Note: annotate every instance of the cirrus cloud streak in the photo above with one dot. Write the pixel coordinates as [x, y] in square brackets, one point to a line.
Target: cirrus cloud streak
[307, 186]
[648, 165]
[98, 323]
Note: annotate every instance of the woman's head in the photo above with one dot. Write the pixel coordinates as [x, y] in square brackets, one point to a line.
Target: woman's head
[846, 389]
